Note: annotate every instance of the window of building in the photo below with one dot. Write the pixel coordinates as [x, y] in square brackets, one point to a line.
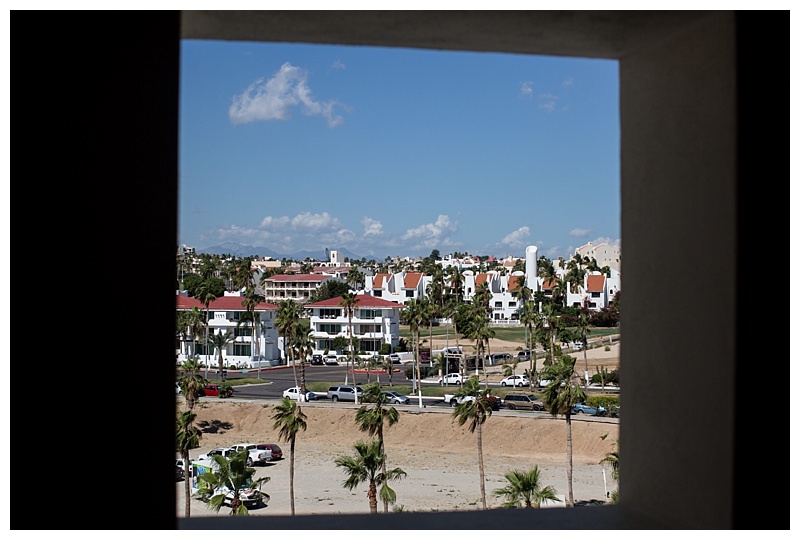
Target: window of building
[241, 349]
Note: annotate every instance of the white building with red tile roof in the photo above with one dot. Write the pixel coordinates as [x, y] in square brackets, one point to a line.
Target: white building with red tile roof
[400, 287]
[296, 287]
[224, 315]
[375, 321]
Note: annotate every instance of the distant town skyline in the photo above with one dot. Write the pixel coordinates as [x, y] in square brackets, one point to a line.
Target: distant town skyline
[396, 152]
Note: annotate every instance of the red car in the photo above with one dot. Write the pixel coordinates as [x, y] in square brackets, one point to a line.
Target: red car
[277, 453]
[214, 390]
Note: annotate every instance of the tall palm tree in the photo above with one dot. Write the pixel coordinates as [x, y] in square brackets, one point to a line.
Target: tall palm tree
[187, 438]
[182, 330]
[220, 341]
[527, 317]
[474, 412]
[364, 467]
[414, 315]
[560, 396]
[612, 458]
[196, 325]
[206, 295]
[389, 367]
[250, 303]
[371, 419]
[583, 330]
[231, 475]
[290, 419]
[349, 303]
[191, 382]
[304, 344]
[525, 487]
[286, 321]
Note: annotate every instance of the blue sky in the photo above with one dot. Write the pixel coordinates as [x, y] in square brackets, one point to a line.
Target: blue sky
[396, 152]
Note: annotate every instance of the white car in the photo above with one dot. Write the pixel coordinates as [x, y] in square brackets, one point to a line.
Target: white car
[453, 378]
[294, 392]
[515, 380]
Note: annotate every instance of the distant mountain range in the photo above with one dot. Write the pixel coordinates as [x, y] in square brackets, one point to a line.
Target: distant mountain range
[240, 250]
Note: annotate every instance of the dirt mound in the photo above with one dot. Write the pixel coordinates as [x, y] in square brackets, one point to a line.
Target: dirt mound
[226, 422]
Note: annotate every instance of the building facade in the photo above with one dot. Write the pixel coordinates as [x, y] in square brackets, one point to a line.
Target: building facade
[228, 314]
[375, 321]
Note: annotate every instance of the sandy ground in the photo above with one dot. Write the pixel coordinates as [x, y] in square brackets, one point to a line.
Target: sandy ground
[439, 456]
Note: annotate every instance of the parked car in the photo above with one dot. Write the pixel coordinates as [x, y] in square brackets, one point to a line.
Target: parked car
[515, 380]
[179, 472]
[215, 390]
[393, 397]
[453, 378]
[501, 358]
[316, 360]
[524, 355]
[225, 452]
[583, 408]
[345, 393]
[178, 388]
[528, 402]
[294, 392]
[331, 360]
[250, 497]
[577, 345]
[277, 453]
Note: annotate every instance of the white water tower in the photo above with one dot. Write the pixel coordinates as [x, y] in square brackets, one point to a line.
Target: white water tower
[530, 268]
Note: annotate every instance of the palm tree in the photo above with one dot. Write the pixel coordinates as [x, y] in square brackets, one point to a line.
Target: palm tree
[364, 467]
[371, 420]
[389, 367]
[414, 314]
[220, 341]
[474, 412]
[187, 438]
[583, 330]
[349, 303]
[196, 325]
[232, 476]
[286, 321]
[250, 303]
[206, 295]
[182, 330]
[290, 419]
[305, 347]
[528, 315]
[612, 458]
[191, 382]
[560, 396]
[525, 487]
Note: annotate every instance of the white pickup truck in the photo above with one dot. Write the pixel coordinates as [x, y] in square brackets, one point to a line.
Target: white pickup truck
[254, 454]
[453, 400]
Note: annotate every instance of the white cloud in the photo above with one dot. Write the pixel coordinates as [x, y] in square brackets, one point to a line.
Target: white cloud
[307, 220]
[581, 233]
[274, 222]
[275, 99]
[568, 82]
[517, 238]
[526, 88]
[431, 231]
[372, 227]
[338, 64]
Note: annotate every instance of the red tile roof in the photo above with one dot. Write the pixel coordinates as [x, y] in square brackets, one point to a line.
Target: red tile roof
[549, 284]
[594, 282]
[233, 303]
[515, 283]
[362, 301]
[297, 277]
[377, 283]
[412, 280]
